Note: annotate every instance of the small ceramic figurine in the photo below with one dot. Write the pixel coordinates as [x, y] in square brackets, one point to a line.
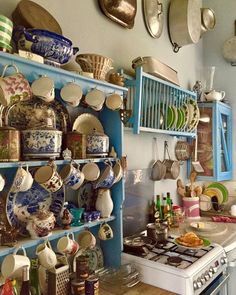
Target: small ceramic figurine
[66, 219]
[199, 90]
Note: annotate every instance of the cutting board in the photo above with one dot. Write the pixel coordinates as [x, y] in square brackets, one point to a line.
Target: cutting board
[31, 15]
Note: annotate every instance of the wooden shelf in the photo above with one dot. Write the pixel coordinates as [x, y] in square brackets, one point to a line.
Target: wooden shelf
[32, 70]
[57, 162]
[57, 233]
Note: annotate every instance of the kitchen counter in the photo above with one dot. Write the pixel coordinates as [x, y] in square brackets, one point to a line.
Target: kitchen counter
[141, 288]
[225, 233]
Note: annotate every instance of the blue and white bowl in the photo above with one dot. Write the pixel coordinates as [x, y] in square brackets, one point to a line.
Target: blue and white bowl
[40, 143]
[48, 44]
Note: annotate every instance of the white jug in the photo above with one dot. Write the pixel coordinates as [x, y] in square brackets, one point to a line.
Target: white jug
[104, 202]
[46, 255]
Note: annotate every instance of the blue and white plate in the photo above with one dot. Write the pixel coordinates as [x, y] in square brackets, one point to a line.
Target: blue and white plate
[20, 205]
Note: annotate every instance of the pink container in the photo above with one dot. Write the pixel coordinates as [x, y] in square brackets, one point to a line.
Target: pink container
[191, 206]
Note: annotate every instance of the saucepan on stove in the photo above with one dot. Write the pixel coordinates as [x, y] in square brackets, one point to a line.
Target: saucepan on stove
[138, 244]
[157, 231]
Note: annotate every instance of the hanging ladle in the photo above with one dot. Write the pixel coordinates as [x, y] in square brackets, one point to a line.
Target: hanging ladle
[125, 114]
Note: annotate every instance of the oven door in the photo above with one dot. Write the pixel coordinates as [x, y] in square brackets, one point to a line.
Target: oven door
[218, 286]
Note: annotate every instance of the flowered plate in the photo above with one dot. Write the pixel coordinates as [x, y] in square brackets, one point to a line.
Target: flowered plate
[86, 197]
[86, 123]
[19, 206]
[95, 258]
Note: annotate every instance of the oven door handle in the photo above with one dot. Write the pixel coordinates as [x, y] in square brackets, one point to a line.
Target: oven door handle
[218, 285]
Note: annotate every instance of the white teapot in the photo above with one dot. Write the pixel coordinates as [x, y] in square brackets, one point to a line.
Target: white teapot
[214, 95]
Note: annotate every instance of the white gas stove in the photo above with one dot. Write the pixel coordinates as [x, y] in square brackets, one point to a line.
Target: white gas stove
[181, 270]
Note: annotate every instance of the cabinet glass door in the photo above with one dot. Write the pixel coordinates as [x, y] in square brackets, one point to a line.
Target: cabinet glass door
[205, 142]
[224, 143]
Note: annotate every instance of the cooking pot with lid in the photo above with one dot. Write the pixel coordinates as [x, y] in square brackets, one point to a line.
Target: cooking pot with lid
[157, 231]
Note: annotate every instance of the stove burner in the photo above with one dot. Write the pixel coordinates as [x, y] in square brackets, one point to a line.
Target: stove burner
[174, 261]
[161, 244]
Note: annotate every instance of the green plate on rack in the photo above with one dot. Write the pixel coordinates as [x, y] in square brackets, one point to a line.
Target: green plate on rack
[180, 119]
[222, 188]
[170, 117]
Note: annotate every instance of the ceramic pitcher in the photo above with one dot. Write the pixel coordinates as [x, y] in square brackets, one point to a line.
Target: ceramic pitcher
[104, 202]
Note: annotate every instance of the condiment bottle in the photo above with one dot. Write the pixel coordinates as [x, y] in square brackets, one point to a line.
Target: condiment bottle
[159, 213]
[25, 287]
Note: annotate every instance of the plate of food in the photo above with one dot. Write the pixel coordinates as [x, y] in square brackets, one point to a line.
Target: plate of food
[192, 241]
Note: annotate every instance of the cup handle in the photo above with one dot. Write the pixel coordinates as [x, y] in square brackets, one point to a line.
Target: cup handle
[20, 248]
[8, 66]
[52, 164]
[222, 94]
[71, 235]
[47, 243]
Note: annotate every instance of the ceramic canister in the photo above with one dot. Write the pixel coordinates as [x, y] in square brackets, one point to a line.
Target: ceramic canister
[48, 143]
[9, 144]
[76, 142]
[97, 144]
[191, 206]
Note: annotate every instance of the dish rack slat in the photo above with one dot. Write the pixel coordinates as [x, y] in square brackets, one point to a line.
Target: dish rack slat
[155, 103]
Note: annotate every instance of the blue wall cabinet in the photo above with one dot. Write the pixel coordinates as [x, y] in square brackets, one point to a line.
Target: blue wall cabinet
[113, 127]
[215, 141]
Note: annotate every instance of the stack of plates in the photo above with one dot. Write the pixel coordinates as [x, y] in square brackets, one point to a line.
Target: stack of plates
[184, 117]
[217, 190]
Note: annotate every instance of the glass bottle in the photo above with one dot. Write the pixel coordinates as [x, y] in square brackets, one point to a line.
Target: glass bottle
[25, 287]
[159, 207]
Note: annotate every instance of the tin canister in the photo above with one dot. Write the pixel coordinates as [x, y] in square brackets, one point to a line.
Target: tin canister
[92, 286]
[76, 142]
[82, 267]
[78, 287]
[9, 144]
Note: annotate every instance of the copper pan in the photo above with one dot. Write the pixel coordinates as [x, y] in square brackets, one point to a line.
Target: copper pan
[121, 11]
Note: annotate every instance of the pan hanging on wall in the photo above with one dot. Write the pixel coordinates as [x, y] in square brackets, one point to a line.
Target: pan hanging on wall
[121, 11]
[184, 22]
[153, 17]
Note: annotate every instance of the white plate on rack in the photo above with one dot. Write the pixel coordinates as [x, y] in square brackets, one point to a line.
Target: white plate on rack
[86, 123]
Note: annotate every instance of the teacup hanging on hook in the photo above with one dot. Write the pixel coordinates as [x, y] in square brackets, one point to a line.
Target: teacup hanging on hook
[95, 99]
[71, 93]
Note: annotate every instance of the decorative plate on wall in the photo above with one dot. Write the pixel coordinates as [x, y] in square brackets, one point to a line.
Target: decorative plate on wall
[20, 206]
[153, 17]
[121, 11]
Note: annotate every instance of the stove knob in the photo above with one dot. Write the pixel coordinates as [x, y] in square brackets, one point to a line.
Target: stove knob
[195, 287]
[199, 284]
[213, 269]
[203, 281]
[207, 277]
[223, 260]
[210, 273]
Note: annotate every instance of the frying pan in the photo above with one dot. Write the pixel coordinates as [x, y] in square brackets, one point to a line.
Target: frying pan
[229, 48]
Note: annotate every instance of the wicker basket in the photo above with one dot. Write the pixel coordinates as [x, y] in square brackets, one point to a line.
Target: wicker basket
[97, 64]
